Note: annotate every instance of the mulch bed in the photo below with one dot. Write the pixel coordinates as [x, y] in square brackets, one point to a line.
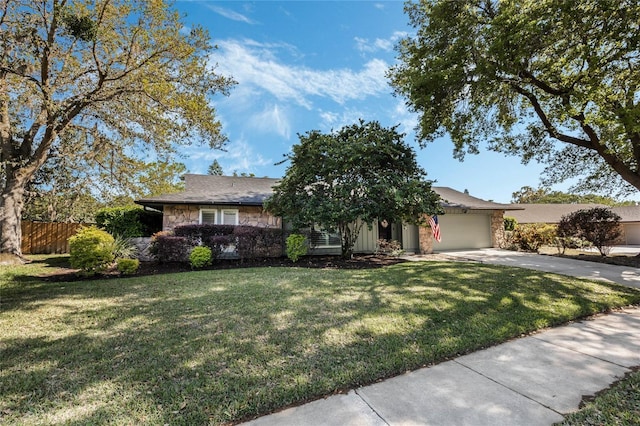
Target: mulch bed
[321, 262]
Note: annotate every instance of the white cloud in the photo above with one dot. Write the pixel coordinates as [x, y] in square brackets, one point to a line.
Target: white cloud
[407, 119]
[257, 65]
[239, 156]
[272, 119]
[379, 44]
[230, 14]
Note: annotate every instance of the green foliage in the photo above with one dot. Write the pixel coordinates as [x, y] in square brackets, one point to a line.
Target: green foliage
[510, 223]
[127, 266]
[128, 222]
[104, 84]
[528, 195]
[599, 226]
[91, 250]
[215, 169]
[532, 236]
[123, 248]
[550, 80]
[123, 221]
[296, 247]
[200, 257]
[363, 171]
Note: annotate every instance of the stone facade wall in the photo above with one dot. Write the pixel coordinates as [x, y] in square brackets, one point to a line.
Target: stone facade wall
[176, 215]
[185, 214]
[425, 238]
[256, 216]
[497, 229]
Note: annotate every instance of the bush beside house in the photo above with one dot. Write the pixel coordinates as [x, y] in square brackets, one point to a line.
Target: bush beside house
[244, 242]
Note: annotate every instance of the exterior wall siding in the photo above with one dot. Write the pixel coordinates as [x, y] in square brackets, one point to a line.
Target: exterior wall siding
[185, 214]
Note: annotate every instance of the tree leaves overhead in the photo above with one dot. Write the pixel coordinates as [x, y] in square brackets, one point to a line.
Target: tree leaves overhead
[362, 172]
[530, 77]
[123, 80]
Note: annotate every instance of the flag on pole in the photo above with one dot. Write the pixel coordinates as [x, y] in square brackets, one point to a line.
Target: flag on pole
[435, 227]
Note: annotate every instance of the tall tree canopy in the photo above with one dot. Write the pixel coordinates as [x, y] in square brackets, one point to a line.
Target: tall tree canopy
[355, 176]
[552, 80]
[529, 195]
[113, 78]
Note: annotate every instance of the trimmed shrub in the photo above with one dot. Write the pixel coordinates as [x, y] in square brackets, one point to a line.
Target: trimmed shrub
[296, 247]
[200, 234]
[127, 266]
[530, 237]
[253, 242]
[166, 247]
[269, 242]
[200, 257]
[217, 244]
[246, 241]
[91, 250]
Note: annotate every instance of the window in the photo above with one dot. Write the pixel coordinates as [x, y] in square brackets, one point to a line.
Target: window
[229, 217]
[208, 216]
[219, 216]
[325, 237]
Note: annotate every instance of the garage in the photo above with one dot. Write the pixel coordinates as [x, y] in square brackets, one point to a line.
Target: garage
[632, 233]
[464, 231]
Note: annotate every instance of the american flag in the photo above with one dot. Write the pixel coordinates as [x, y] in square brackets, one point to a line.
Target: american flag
[435, 228]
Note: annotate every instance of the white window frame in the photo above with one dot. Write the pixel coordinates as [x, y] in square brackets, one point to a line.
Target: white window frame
[236, 213]
[215, 215]
[219, 215]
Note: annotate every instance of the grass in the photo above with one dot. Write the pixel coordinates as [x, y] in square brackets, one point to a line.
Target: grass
[213, 347]
[619, 405]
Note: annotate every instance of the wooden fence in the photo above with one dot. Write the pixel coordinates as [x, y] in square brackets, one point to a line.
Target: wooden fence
[47, 237]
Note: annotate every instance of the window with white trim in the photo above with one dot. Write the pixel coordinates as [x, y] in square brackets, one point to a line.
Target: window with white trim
[209, 216]
[219, 216]
[229, 217]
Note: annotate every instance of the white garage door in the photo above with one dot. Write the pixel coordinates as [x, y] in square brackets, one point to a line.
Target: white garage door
[464, 231]
[632, 233]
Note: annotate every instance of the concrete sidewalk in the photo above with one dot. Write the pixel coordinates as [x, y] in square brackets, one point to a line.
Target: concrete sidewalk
[528, 381]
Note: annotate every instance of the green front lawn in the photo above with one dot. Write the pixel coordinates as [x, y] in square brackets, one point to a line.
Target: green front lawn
[619, 405]
[221, 346]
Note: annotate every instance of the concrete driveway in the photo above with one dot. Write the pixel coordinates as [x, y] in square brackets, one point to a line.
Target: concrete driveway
[624, 275]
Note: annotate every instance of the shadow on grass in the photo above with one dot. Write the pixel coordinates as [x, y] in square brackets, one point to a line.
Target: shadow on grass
[221, 346]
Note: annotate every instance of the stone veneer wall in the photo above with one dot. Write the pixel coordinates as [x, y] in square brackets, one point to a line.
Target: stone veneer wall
[256, 216]
[425, 239]
[186, 214]
[497, 229]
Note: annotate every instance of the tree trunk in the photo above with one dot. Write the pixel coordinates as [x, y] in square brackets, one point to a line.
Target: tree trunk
[11, 205]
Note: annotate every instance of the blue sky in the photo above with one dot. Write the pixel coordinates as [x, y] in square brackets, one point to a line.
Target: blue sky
[320, 65]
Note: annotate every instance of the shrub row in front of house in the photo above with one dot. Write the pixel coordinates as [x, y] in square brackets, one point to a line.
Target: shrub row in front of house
[244, 242]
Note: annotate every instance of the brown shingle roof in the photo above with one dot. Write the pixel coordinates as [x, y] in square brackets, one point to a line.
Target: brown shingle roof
[456, 199]
[207, 189]
[239, 190]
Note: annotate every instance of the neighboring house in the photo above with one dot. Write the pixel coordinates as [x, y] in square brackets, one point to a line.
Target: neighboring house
[469, 222]
[552, 213]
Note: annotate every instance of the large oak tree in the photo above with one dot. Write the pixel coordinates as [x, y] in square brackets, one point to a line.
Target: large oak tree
[351, 177]
[118, 79]
[552, 80]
